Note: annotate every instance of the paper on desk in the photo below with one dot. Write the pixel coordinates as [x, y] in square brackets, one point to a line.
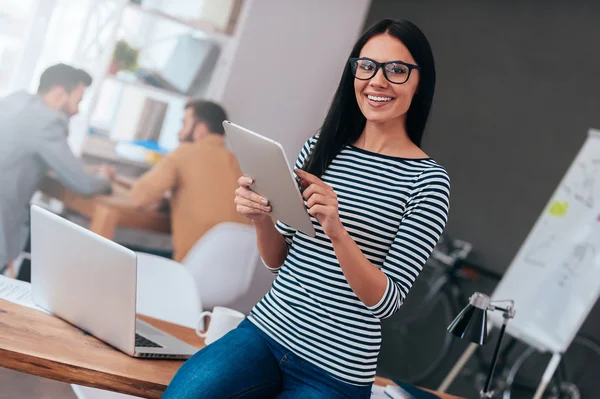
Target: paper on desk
[389, 392]
[18, 292]
[377, 392]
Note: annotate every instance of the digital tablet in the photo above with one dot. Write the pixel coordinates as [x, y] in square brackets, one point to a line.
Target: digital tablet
[264, 161]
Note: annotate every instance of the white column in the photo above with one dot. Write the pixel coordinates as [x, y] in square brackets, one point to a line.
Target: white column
[33, 45]
[264, 87]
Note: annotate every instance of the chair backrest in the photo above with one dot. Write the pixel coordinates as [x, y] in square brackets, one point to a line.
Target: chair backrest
[223, 263]
[166, 291]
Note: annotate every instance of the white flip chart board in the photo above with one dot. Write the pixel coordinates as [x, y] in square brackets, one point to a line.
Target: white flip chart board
[555, 277]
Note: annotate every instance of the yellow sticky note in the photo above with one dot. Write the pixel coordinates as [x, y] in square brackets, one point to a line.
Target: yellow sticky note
[558, 208]
[153, 157]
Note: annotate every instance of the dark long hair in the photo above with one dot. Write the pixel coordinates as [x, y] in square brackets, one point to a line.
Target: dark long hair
[345, 122]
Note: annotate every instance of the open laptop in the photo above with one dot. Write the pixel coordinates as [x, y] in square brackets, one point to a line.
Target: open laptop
[90, 282]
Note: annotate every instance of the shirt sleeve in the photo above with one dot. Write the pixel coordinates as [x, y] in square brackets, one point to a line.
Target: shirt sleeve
[421, 226]
[56, 154]
[153, 185]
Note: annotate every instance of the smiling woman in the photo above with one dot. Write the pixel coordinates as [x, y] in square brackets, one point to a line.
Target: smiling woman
[378, 204]
[396, 129]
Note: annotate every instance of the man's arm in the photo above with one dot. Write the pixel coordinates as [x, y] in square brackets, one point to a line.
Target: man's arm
[58, 157]
[152, 186]
[125, 181]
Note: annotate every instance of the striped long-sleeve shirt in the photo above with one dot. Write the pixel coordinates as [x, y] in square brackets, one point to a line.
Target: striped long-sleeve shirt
[395, 210]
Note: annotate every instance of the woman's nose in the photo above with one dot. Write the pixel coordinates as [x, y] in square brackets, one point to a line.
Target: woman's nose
[379, 79]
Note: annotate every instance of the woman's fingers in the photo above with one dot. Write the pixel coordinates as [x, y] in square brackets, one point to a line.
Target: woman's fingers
[318, 210]
[245, 181]
[251, 196]
[250, 212]
[318, 189]
[309, 178]
[315, 189]
[319, 199]
[248, 205]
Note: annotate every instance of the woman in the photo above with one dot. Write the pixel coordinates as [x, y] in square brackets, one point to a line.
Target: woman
[378, 204]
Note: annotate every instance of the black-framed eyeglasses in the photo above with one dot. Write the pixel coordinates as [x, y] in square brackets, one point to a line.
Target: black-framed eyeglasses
[396, 72]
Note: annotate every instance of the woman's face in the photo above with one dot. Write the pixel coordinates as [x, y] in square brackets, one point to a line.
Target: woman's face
[379, 100]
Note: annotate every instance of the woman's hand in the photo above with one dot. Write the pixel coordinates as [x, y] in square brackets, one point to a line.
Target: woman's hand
[250, 204]
[322, 203]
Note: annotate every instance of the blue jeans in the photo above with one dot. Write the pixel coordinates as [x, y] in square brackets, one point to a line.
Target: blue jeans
[246, 363]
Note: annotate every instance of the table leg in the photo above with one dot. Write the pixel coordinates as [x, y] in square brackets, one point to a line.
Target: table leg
[104, 221]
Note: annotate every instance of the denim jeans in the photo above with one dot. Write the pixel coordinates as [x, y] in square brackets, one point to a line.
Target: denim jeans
[246, 363]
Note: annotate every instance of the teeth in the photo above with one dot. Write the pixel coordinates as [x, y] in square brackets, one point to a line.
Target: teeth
[380, 99]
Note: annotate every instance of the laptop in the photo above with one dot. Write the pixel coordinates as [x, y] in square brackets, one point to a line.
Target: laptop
[90, 282]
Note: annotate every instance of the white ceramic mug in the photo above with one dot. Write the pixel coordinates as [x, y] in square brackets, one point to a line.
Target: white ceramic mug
[222, 320]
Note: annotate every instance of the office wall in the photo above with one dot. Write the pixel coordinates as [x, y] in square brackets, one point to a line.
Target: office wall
[518, 88]
[287, 64]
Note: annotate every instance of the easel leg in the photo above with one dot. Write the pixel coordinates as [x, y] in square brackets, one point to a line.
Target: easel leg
[457, 367]
[550, 369]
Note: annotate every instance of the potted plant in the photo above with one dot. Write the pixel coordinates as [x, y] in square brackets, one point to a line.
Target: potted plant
[124, 58]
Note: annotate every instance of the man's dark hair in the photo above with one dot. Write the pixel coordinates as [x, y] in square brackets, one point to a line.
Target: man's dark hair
[210, 113]
[63, 75]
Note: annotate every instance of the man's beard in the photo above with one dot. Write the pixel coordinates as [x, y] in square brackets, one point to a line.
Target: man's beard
[188, 137]
[65, 110]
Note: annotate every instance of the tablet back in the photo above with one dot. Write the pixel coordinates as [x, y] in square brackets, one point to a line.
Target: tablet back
[264, 161]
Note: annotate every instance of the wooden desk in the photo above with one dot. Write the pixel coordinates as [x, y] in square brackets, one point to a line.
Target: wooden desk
[40, 344]
[106, 212]
[99, 150]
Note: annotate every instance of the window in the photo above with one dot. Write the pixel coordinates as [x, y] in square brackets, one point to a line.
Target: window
[15, 19]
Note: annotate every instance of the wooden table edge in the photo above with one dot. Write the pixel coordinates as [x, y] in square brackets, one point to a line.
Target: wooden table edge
[78, 375]
[57, 371]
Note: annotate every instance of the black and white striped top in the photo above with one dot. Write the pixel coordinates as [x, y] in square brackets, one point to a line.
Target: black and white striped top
[395, 210]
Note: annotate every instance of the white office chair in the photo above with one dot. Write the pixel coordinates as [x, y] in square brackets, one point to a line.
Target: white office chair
[223, 263]
[166, 291]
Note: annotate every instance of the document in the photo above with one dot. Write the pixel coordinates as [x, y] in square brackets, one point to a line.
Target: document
[387, 392]
[18, 292]
[403, 391]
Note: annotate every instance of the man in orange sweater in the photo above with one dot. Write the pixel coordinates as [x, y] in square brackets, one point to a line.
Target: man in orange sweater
[201, 175]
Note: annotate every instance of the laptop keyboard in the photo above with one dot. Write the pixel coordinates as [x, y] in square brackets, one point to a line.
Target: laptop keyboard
[145, 342]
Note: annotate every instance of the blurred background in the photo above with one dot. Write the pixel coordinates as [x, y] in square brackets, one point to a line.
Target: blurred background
[517, 90]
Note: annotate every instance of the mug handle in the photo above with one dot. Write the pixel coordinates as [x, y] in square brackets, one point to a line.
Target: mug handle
[201, 318]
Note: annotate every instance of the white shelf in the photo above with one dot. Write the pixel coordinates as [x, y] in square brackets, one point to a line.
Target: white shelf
[146, 86]
[128, 85]
[203, 27]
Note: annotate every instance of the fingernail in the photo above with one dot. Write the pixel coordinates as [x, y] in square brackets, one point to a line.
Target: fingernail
[267, 209]
[264, 201]
[249, 181]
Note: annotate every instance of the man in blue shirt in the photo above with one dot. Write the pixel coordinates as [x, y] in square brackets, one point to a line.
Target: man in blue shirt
[33, 141]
